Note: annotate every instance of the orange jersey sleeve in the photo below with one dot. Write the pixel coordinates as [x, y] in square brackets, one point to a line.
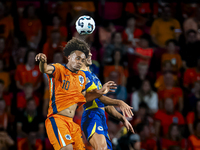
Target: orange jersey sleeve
[65, 88]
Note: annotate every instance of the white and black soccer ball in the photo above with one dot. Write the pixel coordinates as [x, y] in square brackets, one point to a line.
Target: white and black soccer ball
[85, 25]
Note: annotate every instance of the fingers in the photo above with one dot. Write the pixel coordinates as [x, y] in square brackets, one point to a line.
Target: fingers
[127, 112]
[131, 128]
[40, 57]
[112, 91]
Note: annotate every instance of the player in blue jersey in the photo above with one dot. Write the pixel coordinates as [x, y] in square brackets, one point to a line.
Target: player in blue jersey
[93, 121]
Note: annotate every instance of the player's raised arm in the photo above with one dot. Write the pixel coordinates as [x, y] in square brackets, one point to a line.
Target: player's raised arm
[116, 115]
[95, 93]
[44, 68]
[125, 108]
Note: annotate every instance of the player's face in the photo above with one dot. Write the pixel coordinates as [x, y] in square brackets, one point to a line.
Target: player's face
[76, 60]
[88, 61]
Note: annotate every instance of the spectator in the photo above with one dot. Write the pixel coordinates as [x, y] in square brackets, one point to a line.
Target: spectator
[194, 140]
[142, 115]
[174, 138]
[166, 67]
[147, 142]
[30, 121]
[105, 33]
[175, 93]
[6, 23]
[6, 141]
[172, 56]
[5, 96]
[136, 80]
[19, 55]
[192, 75]
[23, 97]
[143, 53]
[165, 28]
[161, 76]
[192, 116]
[3, 115]
[31, 26]
[28, 72]
[192, 23]
[30, 143]
[147, 95]
[129, 142]
[117, 73]
[164, 118]
[195, 95]
[52, 45]
[131, 33]
[190, 49]
[116, 43]
[4, 53]
[56, 25]
[5, 76]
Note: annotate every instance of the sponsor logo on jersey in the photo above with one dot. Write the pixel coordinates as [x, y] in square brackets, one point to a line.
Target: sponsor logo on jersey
[100, 128]
[68, 137]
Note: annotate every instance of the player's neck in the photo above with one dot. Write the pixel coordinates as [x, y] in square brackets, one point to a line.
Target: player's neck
[71, 69]
[87, 68]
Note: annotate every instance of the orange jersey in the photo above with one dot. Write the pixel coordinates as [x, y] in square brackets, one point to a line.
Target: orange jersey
[65, 88]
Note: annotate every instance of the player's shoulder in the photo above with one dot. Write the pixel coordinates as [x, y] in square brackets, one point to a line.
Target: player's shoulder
[86, 73]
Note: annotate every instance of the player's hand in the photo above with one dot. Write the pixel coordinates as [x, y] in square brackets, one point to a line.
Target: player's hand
[108, 87]
[128, 125]
[41, 57]
[126, 109]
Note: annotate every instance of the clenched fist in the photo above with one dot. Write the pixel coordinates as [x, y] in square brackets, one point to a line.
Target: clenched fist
[41, 57]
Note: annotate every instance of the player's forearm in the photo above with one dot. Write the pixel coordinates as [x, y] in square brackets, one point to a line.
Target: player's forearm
[90, 96]
[109, 101]
[43, 67]
[114, 113]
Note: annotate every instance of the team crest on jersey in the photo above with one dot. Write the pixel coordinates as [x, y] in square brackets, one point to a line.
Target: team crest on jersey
[99, 84]
[100, 128]
[68, 137]
[81, 79]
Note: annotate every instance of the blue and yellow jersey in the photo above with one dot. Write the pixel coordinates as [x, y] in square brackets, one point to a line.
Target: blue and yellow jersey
[92, 82]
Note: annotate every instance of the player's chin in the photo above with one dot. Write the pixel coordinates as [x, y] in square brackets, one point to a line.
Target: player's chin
[77, 68]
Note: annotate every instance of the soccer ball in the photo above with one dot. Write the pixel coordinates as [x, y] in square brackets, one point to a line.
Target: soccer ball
[85, 25]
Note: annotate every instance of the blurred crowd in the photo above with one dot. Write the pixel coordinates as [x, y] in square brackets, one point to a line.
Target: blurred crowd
[150, 49]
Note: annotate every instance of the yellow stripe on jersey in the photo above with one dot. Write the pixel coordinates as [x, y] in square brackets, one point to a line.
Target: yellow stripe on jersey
[93, 131]
[94, 105]
[92, 87]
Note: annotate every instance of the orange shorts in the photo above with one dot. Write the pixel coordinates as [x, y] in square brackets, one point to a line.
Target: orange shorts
[62, 131]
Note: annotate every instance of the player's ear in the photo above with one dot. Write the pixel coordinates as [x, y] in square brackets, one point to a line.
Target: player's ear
[68, 57]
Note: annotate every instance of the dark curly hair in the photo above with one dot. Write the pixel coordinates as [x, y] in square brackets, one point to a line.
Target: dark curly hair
[76, 44]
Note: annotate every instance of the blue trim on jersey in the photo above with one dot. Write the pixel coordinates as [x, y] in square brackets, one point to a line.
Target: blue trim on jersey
[53, 69]
[53, 98]
[55, 128]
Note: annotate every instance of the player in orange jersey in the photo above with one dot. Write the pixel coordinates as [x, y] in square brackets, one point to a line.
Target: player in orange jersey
[67, 91]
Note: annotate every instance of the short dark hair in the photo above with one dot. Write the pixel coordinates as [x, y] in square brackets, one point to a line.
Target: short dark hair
[196, 122]
[76, 44]
[140, 127]
[191, 31]
[2, 82]
[146, 37]
[27, 53]
[171, 41]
